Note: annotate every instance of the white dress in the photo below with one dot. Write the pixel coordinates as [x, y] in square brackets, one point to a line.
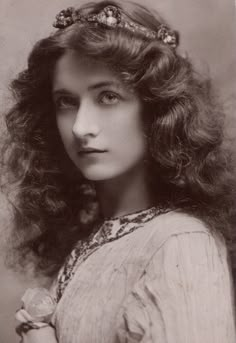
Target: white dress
[149, 277]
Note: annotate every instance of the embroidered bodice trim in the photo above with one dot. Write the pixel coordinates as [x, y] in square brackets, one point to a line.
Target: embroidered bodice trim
[110, 230]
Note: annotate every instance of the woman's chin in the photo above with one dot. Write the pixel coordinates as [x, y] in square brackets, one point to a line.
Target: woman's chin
[98, 174]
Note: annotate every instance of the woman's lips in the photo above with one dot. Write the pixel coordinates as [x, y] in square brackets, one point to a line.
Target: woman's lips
[90, 151]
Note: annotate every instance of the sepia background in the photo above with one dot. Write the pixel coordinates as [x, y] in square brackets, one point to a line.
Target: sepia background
[207, 31]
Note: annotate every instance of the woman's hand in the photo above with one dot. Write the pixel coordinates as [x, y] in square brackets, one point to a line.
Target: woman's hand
[43, 335]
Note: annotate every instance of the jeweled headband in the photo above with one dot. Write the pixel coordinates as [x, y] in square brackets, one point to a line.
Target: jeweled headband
[112, 17]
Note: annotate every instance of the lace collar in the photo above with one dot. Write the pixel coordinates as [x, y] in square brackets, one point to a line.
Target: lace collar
[113, 228]
[110, 230]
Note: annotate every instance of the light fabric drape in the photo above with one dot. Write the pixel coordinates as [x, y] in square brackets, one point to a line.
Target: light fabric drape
[167, 282]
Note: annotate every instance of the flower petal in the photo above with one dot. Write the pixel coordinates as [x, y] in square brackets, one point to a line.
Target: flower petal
[23, 316]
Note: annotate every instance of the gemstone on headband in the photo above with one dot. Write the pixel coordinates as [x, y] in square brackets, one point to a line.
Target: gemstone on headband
[112, 17]
[109, 16]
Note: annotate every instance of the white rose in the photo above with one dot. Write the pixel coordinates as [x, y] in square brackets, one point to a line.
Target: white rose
[38, 306]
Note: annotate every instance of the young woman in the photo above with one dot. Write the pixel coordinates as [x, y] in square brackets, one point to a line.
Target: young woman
[124, 193]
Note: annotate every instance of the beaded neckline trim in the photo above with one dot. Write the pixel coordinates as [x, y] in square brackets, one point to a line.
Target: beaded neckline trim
[128, 215]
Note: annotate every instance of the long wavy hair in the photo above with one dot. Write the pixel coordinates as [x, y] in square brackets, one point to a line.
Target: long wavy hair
[190, 167]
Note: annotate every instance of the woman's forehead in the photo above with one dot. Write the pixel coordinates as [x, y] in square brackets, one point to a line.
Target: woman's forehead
[73, 69]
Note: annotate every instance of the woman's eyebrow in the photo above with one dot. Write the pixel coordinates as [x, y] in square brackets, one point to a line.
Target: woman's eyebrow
[91, 87]
[62, 91]
[104, 84]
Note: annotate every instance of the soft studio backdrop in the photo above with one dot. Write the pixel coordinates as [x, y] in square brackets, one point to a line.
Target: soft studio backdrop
[207, 33]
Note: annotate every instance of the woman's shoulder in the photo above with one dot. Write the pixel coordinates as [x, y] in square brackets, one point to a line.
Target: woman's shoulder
[182, 227]
[175, 223]
[180, 221]
[190, 252]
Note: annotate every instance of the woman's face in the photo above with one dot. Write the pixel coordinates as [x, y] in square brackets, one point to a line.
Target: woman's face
[98, 117]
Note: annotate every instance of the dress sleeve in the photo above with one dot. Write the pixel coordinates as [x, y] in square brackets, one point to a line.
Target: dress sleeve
[184, 295]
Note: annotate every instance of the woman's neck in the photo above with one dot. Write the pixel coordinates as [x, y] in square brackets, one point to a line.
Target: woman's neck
[125, 194]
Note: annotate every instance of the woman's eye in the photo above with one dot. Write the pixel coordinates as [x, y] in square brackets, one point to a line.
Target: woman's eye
[66, 102]
[109, 98]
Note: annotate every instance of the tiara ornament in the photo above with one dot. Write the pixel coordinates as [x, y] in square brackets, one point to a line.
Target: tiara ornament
[66, 18]
[111, 17]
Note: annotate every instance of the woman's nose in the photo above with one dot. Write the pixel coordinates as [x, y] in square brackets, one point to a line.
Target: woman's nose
[86, 121]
